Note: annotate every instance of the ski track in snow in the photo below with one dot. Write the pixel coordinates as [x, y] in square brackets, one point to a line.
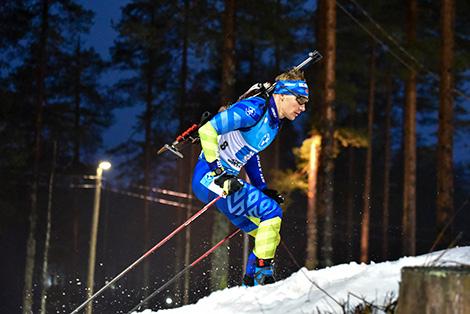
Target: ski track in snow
[296, 294]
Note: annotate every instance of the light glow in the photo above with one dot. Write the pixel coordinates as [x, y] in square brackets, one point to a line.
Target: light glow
[105, 165]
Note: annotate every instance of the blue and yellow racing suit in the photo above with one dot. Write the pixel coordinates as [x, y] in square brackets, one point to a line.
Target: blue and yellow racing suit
[234, 138]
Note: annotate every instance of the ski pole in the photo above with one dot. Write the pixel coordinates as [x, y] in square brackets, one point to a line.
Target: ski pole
[159, 244]
[184, 270]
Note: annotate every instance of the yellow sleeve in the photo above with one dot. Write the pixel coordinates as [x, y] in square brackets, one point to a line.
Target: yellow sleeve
[208, 136]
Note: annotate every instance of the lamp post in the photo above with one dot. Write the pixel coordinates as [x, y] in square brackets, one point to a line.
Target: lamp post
[104, 165]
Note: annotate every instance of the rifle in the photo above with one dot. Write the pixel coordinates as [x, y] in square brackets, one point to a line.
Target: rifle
[265, 89]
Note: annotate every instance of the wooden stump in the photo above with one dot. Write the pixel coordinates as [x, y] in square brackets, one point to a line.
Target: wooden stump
[434, 290]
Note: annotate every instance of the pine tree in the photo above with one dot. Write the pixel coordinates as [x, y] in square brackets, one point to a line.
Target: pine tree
[409, 142]
[368, 168]
[387, 166]
[45, 262]
[327, 155]
[14, 129]
[219, 269]
[183, 167]
[78, 107]
[77, 110]
[445, 173]
[28, 293]
[143, 49]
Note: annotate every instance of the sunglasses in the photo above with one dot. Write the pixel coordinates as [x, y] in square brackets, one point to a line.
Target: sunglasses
[302, 100]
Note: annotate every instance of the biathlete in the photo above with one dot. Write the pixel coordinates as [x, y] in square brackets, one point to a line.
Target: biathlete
[232, 139]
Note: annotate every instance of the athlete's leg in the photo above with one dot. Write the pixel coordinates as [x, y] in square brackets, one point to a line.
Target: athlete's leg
[205, 195]
[248, 208]
[267, 214]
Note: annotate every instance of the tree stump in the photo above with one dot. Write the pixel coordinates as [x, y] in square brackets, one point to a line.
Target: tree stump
[434, 290]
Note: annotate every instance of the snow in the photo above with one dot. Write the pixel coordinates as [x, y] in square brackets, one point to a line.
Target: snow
[297, 294]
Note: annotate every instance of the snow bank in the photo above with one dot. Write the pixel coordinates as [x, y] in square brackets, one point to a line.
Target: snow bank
[297, 294]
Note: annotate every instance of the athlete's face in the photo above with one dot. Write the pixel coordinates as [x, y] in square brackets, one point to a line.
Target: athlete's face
[291, 106]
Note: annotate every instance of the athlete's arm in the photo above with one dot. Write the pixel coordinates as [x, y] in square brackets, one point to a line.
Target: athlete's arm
[242, 114]
[255, 172]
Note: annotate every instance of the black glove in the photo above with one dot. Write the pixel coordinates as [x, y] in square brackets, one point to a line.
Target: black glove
[275, 195]
[229, 183]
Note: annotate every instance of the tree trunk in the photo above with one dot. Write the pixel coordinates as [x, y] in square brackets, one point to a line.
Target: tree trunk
[276, 145]
[45, 262]
[277, 44]
[76, 153]
[409, 143]
[190, 160]
[350, 203]
[443, 290]
[445, 174]
[182, 246]
[365, 223]
[148, 157]
[228, 54]
[327, 162]
[319, 67]
[147, 169]
[187, 252]
[220, 259]
[317, 118]
[77, 100]
[187, 255]
[387, 166]
[311, 260]
[40, 99]
[179, 249]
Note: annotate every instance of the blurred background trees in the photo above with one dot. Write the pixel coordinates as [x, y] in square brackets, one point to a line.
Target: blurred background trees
[376, 168]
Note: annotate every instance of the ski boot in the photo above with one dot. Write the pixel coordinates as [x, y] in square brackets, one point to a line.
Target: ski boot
[248, 280]
[263, 272]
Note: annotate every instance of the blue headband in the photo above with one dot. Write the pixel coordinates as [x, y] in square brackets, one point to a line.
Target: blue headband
[294, 87]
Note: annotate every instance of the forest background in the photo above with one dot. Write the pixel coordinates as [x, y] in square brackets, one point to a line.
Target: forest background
[377, 167]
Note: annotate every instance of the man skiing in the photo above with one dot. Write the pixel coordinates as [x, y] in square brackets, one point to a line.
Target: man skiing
[231, 140]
